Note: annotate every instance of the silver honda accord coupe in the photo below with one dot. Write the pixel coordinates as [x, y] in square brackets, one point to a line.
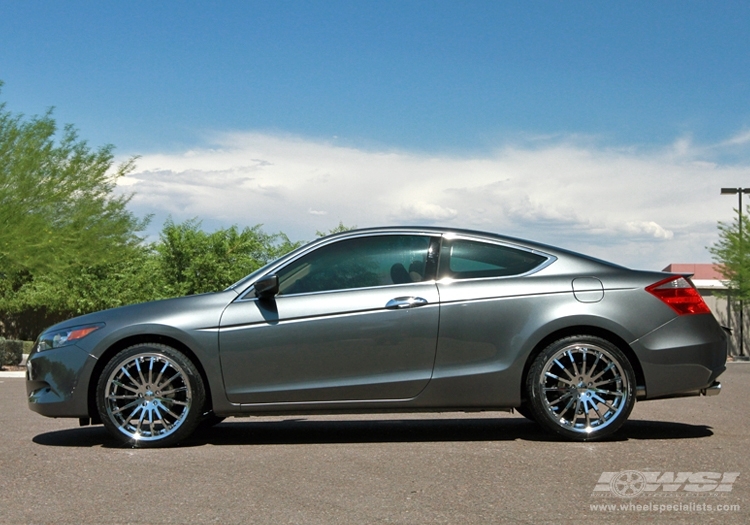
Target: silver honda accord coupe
[389, 320]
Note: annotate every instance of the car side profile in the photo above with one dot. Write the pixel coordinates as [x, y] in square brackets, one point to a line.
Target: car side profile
[398, 319]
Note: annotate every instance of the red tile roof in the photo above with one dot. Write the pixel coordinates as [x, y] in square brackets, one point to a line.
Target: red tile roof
[699, 271]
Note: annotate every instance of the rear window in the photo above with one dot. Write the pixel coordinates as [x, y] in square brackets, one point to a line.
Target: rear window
[464, 259]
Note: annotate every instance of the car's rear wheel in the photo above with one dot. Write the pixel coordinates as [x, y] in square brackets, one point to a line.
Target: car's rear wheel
[581, 387]
[150, 395]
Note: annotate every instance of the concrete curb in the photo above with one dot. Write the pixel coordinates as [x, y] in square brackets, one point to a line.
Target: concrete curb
[20, 374]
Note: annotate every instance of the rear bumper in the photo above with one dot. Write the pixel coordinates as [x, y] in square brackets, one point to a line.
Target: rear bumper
[682, 358]
[713, 390]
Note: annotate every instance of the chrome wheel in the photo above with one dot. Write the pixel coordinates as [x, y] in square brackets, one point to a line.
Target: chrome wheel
[582, 387]
[150, 398]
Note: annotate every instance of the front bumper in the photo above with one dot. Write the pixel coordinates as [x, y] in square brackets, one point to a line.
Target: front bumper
[56, 382]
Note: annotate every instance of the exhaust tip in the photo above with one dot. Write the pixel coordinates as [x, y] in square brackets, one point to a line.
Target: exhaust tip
[713, 390]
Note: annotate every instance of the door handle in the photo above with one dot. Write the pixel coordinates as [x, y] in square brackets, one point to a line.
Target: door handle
[399, 303]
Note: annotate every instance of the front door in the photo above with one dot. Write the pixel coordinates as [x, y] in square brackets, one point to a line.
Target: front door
[355, 319]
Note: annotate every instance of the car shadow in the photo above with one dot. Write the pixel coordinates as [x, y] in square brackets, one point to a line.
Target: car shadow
[303, 431]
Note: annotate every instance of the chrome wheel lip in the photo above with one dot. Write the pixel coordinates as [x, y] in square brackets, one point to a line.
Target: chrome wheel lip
[584, 388]
[148, 397]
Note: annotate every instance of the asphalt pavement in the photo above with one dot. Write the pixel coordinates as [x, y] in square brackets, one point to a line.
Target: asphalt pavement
[675, 461]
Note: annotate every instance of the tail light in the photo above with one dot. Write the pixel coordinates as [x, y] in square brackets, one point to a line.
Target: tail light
[680, 295]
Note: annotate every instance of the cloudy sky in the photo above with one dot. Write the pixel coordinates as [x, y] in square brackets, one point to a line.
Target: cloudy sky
[606, 128]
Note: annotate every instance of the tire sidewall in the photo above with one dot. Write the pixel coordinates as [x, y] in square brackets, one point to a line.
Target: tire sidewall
[191, 375]
[535, 393]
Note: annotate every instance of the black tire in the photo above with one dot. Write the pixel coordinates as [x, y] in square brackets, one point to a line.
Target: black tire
[581, 387]
[525, 411]
[209, 421]
[134, 405]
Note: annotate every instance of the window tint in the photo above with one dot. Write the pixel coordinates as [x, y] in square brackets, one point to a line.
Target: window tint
[357, 263]
[472, 259]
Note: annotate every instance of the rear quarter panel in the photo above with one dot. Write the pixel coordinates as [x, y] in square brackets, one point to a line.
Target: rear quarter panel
[491, 328]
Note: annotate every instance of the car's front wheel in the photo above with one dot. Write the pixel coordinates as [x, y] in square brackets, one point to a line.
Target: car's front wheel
[581, 387]
[525, 411]
[150, 395]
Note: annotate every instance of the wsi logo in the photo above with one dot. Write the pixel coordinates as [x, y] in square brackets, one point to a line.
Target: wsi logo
[631, 483]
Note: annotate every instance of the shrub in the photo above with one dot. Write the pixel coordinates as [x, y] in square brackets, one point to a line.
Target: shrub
[10, 352]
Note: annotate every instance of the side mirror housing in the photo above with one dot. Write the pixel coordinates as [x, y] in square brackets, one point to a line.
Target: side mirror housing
[267, 287]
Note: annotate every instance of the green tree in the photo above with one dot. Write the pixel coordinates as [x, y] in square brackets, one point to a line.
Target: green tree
[337, 229]
[57, 201]
[59, 214]
[192, 261]
[732, 253]
[55, 295]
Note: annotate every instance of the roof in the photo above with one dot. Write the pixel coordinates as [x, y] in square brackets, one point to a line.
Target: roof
[704, 276]
[699, 271]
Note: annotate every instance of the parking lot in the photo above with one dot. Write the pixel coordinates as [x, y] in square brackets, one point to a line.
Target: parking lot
[424, 468]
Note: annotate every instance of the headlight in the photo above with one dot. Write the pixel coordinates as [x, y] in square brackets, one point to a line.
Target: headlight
[66, 336]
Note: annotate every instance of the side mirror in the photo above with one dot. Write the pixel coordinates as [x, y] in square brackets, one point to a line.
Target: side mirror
[267, 287]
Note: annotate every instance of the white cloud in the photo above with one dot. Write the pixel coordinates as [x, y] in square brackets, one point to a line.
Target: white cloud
[739, 139]
[424, 212]
[637, 208]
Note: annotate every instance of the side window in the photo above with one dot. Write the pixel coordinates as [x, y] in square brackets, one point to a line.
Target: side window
[463, 259]
[357, 263]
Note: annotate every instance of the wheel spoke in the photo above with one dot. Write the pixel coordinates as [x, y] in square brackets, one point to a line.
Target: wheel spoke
[573, 362]
[151, 370]
[605, 402]
[158, 413]
[586, 410]
[559, 399]
[128, 419]
[600, 374]
[170, 412]
[583, 387]
[173, 391]
[564, 369]
[584, 352]
[570, 403]
[553, 376]
[125, 407]
[132, 379]
[607, 381]
[126, 387]
[140, 372]
[130, 400]
[140, 421]
[596, 408]
[161, 372]
[607, 392]
[596, 361]
[168, 381]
